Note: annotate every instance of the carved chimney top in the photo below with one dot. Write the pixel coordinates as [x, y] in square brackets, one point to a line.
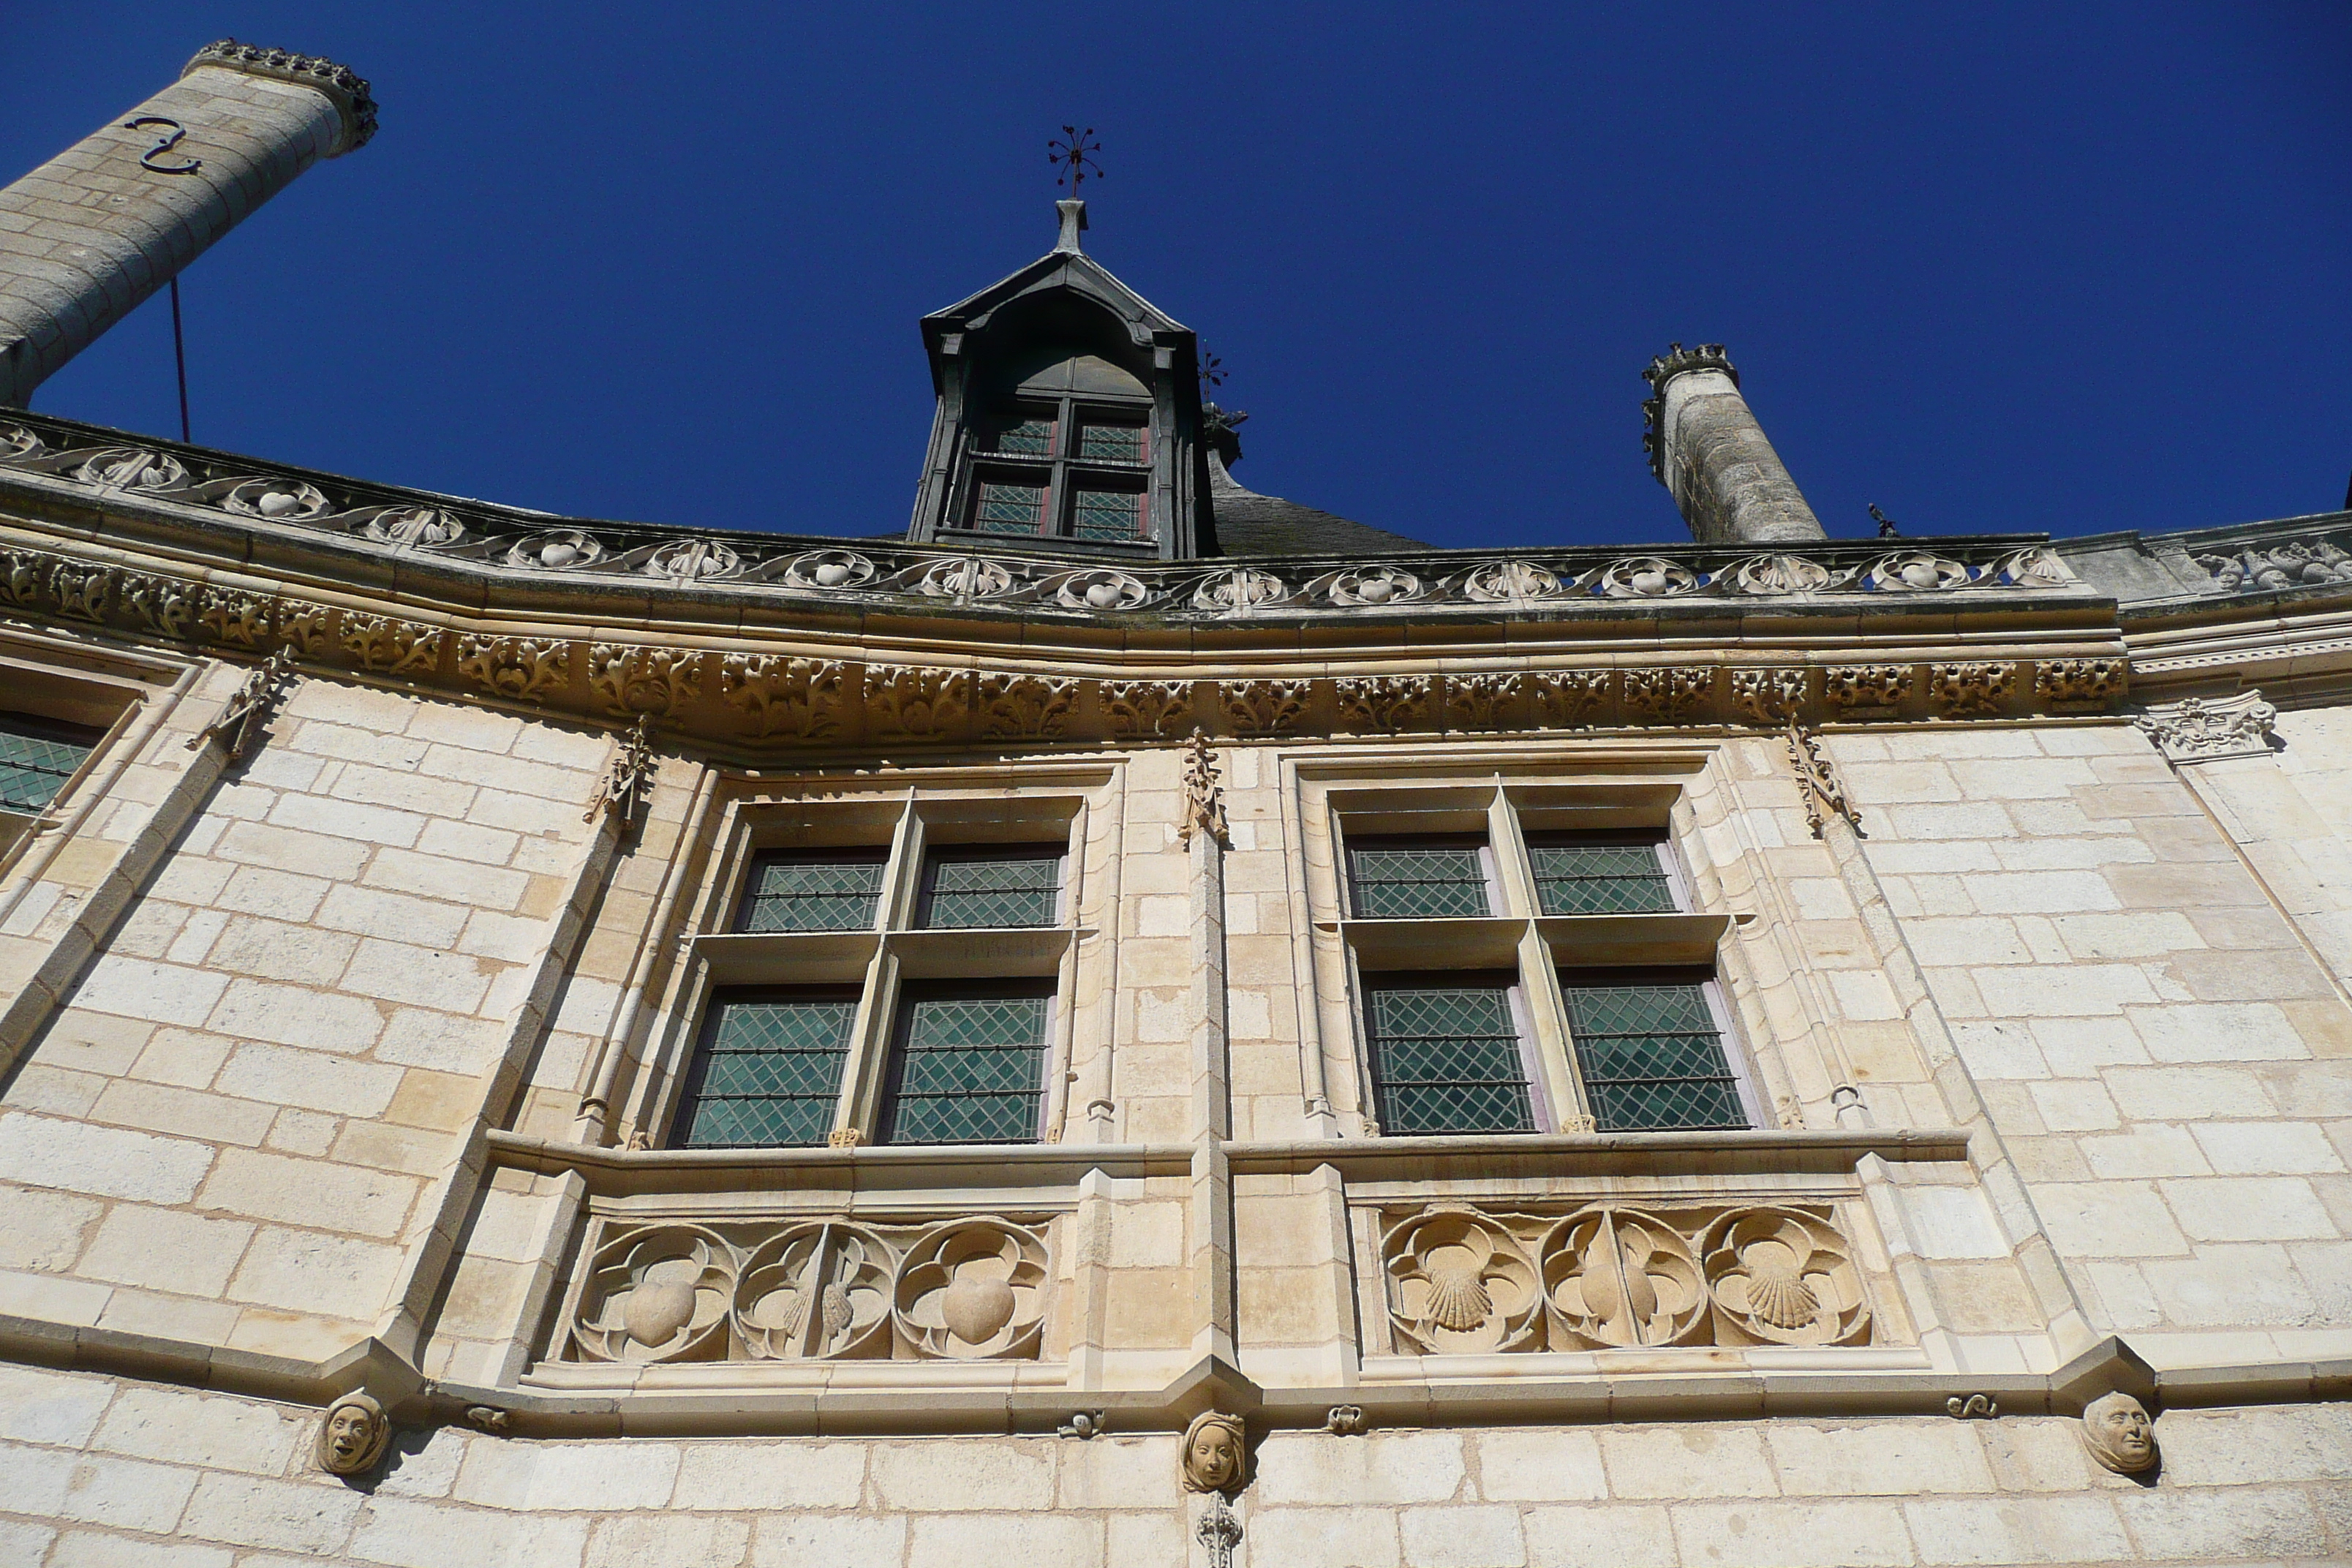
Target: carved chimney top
[1674, 361]
[346, 87]
[1074, 224]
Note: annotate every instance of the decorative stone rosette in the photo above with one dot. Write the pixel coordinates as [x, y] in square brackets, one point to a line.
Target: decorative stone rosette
[819, 1291]
[1465, 1280]
[658, 1294]
[1460, 1283]
[1620, 1276]
[1779, 1276]
[973, 1291]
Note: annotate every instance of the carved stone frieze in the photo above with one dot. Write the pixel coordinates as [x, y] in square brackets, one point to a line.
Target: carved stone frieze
[784, 694]
[309, 629]
[818, 1291]
[2297, 564]
[691, 561]
[629, 678]
[240, 620]
[1147, 707]
[82, 591]
[968, 577]
[1482, 700]
[421, 527]
[1239, 591]
[279, 500]
[22, 572]
[1647, 577]
[1865, 690]
[1361, 586]
[1388, 703]
[2082, 683]
[1026, 705]
[1970, 688]
[2039, 567]
[1767, 696]
[1465, 1280]
[1772, 575]
[2208, 728]
[559, 550]
[520, 669]
[659, 1294]
[829, 569]
[391, 646]
[1510, 582]
[972, 1289]
[922, 702]
[17, 443]
[1266, 707]
[1100, 590]
[163, 606]
[1667, 693]
[1914, 572]
[1565, 699]
[132, 468]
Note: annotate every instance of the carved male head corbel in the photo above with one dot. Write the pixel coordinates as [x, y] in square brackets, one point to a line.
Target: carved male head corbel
[353, 1435]
[1216, 1453]
[2119, 1433]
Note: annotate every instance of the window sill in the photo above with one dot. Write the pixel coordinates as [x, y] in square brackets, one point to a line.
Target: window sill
[1575, 940]
[833, 957]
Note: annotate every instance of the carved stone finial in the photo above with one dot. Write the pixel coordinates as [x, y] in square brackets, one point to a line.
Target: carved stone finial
[1216, 1453]
[352, 1435]
[1817, 780]
[248, 709]
[1220, 1532]
[2118, 1432]
[630, 780]
[1205, 803]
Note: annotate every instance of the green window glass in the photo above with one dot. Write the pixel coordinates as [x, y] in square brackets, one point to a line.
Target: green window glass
[1445, 1059]
[1009, 509]
[1107, 514]
[970, 887]
[969, 1070]
[1651, 1057]
[36, 758]
[1033, 435]
[798, 892]
[1417, 882]
[1112, 443]
[1601, 880]
[769, 1069]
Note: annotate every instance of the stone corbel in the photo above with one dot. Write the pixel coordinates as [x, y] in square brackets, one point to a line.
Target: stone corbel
[2208, 729]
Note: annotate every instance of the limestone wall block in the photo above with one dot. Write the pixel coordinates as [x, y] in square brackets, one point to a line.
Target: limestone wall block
[972, 1475]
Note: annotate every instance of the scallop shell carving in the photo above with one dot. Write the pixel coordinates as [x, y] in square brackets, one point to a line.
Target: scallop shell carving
[1772, 574]
[829, 569]
[132, 468]
[1782, 1276]
[1459, 1282]
[658, 1294]
[280, 500]
[972, 1289]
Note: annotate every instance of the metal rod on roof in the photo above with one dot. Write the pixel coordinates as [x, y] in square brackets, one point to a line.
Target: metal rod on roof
[180, 358]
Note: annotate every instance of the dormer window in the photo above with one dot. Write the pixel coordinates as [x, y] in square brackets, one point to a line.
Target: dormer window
[1077, 468]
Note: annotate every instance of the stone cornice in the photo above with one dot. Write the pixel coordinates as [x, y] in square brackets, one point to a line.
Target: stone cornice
[346, 88]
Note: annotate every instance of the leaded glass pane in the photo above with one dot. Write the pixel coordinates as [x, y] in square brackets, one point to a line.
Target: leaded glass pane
[1652, 1058]
[1445, 1059]
[34, 767]
[1601, 880]
[788, 892]
[1031, 435]
[1112, 443]
[1107, 514]
[1009, 509]
[993, 888]
[1422, 883]
[769, 1070]
[970, 1069]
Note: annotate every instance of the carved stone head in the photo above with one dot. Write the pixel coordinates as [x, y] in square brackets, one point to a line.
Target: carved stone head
[1216, 1457]
[2119, 1433]
[353, 1435]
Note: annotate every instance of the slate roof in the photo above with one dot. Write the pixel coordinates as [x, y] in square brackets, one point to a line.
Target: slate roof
[1251, 524]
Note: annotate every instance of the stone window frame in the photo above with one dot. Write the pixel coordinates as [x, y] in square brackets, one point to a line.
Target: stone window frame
[906, 823]
[1063, 470]
[1538, 948]
[107, 702]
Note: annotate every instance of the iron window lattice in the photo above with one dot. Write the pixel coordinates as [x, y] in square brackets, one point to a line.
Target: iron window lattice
[1599, 879]
[1445, 1058]
[1009, 509]
[769, 1070]
[34, 767]
[1107, 514]
[1652, 1058]
[969, 1070]
[1417, 882]
[791, 892]
[971, 890]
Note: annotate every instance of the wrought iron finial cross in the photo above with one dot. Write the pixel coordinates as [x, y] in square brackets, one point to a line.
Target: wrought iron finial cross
[1213, 371]
[1072, 154]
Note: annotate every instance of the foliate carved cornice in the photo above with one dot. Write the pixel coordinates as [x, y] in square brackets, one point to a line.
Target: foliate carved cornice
[346, 87]
[2260, 566]
[798, 698]
[2206, 729]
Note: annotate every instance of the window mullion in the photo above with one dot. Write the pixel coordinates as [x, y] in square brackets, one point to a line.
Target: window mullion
[1555, 1052]
[870, 1040]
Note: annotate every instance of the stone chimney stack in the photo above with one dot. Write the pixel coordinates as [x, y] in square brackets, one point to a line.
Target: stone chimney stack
[1708, 451]
[90, 233]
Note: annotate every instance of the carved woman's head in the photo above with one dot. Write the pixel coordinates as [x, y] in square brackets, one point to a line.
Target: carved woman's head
[1216, 1459]
[353, 1437]
[2119, 1433]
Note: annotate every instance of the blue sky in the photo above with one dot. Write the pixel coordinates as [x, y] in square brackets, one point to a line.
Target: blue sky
[1998, 267]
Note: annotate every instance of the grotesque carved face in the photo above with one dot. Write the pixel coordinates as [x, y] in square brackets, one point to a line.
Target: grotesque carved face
[353, 1435]
[2118, 1432]
[1212, 1453]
